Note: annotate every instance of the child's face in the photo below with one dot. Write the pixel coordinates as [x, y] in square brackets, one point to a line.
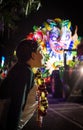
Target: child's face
[38, 58]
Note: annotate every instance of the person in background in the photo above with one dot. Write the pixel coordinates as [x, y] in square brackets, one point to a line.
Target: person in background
[20, 80]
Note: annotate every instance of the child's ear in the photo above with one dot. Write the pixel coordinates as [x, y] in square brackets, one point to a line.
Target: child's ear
[33, 55]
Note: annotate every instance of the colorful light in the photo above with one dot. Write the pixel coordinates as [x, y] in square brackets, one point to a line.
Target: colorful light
[55, 35]
[2, 61]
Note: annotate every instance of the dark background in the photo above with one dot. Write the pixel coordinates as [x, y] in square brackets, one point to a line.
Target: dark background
[50, 9]
[65, 9]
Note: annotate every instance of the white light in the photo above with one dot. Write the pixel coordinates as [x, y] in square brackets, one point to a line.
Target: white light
[81, 70]
[2, 61]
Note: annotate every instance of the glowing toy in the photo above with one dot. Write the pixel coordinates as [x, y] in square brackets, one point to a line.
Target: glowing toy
[54, 36]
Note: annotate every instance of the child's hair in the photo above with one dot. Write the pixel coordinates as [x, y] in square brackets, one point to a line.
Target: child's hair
[24, 50]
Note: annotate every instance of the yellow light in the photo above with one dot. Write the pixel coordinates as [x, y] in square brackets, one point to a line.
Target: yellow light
[42, 108]
[14, 52]
[42, 95]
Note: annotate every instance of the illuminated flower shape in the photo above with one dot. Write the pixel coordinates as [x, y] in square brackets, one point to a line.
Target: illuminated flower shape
[50, 64]
[54, 36]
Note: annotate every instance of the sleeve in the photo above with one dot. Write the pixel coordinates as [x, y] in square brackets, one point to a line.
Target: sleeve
[29, 86]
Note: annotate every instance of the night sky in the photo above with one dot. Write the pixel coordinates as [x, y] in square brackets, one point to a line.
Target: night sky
[50, 9]
[65, 9]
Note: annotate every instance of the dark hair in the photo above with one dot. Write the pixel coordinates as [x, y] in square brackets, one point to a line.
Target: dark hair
[25, 49]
